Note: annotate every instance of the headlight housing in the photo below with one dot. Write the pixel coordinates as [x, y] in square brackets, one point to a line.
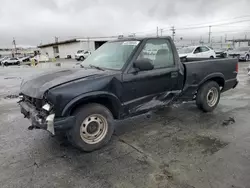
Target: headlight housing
[47, 107]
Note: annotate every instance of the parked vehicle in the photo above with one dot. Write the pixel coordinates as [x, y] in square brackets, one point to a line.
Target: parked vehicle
[116, 82]
[24, 59]
[11, 61]
[222, 52]
[242, 53]
[196, 52]
[81, 55]
[2, 59]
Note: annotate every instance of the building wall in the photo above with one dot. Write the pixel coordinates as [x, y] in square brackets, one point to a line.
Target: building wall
[48, 50]
[69, 48]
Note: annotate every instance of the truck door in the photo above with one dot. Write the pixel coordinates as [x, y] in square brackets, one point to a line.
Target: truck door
[152, 88]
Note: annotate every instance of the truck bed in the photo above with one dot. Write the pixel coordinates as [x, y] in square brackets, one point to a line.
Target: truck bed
[223, 71]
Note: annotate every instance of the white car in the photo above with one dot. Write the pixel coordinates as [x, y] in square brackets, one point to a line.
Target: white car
[196, 52]
[11, 61]
[81, 55]
[2, 59]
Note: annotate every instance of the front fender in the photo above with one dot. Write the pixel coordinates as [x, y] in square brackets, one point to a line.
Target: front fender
[90, 96]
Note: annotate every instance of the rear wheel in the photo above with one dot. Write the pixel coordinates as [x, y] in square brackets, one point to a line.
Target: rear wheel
[93, 128]
[18, 63]
[211, 57]
[208, 96]
[247, 57]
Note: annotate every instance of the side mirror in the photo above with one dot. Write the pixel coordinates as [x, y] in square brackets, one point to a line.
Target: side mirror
[143, 64]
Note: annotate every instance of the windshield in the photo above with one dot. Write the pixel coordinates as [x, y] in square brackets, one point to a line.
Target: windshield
[186, 50]
[80, 51]
[111, 55]
[242, 49]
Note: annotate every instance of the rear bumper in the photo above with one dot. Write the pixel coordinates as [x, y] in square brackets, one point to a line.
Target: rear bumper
[47, 122]
[230, 84]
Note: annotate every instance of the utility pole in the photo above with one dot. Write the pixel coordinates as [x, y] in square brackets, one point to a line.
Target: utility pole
[15, 49]
[173, 32]
[157, 31]
[201, 40]
[209, 35]
[161, 31]
[221, 41]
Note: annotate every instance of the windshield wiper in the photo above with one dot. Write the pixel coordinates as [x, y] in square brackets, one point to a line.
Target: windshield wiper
[96, 67]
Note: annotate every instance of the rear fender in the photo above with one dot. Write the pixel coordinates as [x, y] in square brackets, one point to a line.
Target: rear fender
[213, 76]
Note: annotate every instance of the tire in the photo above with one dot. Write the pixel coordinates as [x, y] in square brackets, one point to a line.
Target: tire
[208, 96]
[18, 63]
[247, 57]
[6, 64]
[82, 58]
[211, 57]
[86, 126]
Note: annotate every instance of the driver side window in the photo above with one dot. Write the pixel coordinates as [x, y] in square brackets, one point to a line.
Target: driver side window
[159, 52]
[197, 50]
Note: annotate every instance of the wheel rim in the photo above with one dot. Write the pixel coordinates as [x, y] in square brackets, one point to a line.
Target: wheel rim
[247, 58]
[94, 128]
[212, 96]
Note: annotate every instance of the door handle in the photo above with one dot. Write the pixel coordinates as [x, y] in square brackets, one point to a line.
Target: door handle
[174, 74]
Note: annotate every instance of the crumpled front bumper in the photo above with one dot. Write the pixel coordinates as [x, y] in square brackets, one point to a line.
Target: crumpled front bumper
[46, 122]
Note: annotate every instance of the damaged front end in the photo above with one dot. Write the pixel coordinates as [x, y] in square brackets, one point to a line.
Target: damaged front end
[38, 112]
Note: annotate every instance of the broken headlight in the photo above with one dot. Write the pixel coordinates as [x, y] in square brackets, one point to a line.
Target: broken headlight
[47, 107]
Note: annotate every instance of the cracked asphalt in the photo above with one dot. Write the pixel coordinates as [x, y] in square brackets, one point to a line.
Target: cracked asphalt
[178, 147]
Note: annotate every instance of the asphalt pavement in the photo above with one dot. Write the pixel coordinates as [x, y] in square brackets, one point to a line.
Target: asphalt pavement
[178, 147]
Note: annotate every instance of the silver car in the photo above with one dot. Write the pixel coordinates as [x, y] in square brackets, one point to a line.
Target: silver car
[242, 53]
[11, 61]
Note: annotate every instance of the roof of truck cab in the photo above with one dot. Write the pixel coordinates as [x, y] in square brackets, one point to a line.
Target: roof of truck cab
[138, 38]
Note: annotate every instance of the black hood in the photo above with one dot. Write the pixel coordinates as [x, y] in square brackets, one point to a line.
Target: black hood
[36, 86]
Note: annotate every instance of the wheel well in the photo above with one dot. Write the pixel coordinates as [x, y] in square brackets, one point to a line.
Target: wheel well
[220, 81]
[105, 101]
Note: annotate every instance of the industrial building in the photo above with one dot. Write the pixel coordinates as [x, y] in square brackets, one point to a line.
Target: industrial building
[64, 49]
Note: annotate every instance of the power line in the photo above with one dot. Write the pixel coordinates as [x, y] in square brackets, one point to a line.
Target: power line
[210, 23]
[214, 25]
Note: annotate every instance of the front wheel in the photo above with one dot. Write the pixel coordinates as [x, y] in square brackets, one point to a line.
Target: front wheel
[93, 128]
[82, 58]
[211, 57]
[208, 96]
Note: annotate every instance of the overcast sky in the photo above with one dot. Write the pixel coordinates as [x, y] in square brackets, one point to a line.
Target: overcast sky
[34, 21]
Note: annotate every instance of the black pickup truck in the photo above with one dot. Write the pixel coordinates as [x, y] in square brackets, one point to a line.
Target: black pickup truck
[121, 79]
